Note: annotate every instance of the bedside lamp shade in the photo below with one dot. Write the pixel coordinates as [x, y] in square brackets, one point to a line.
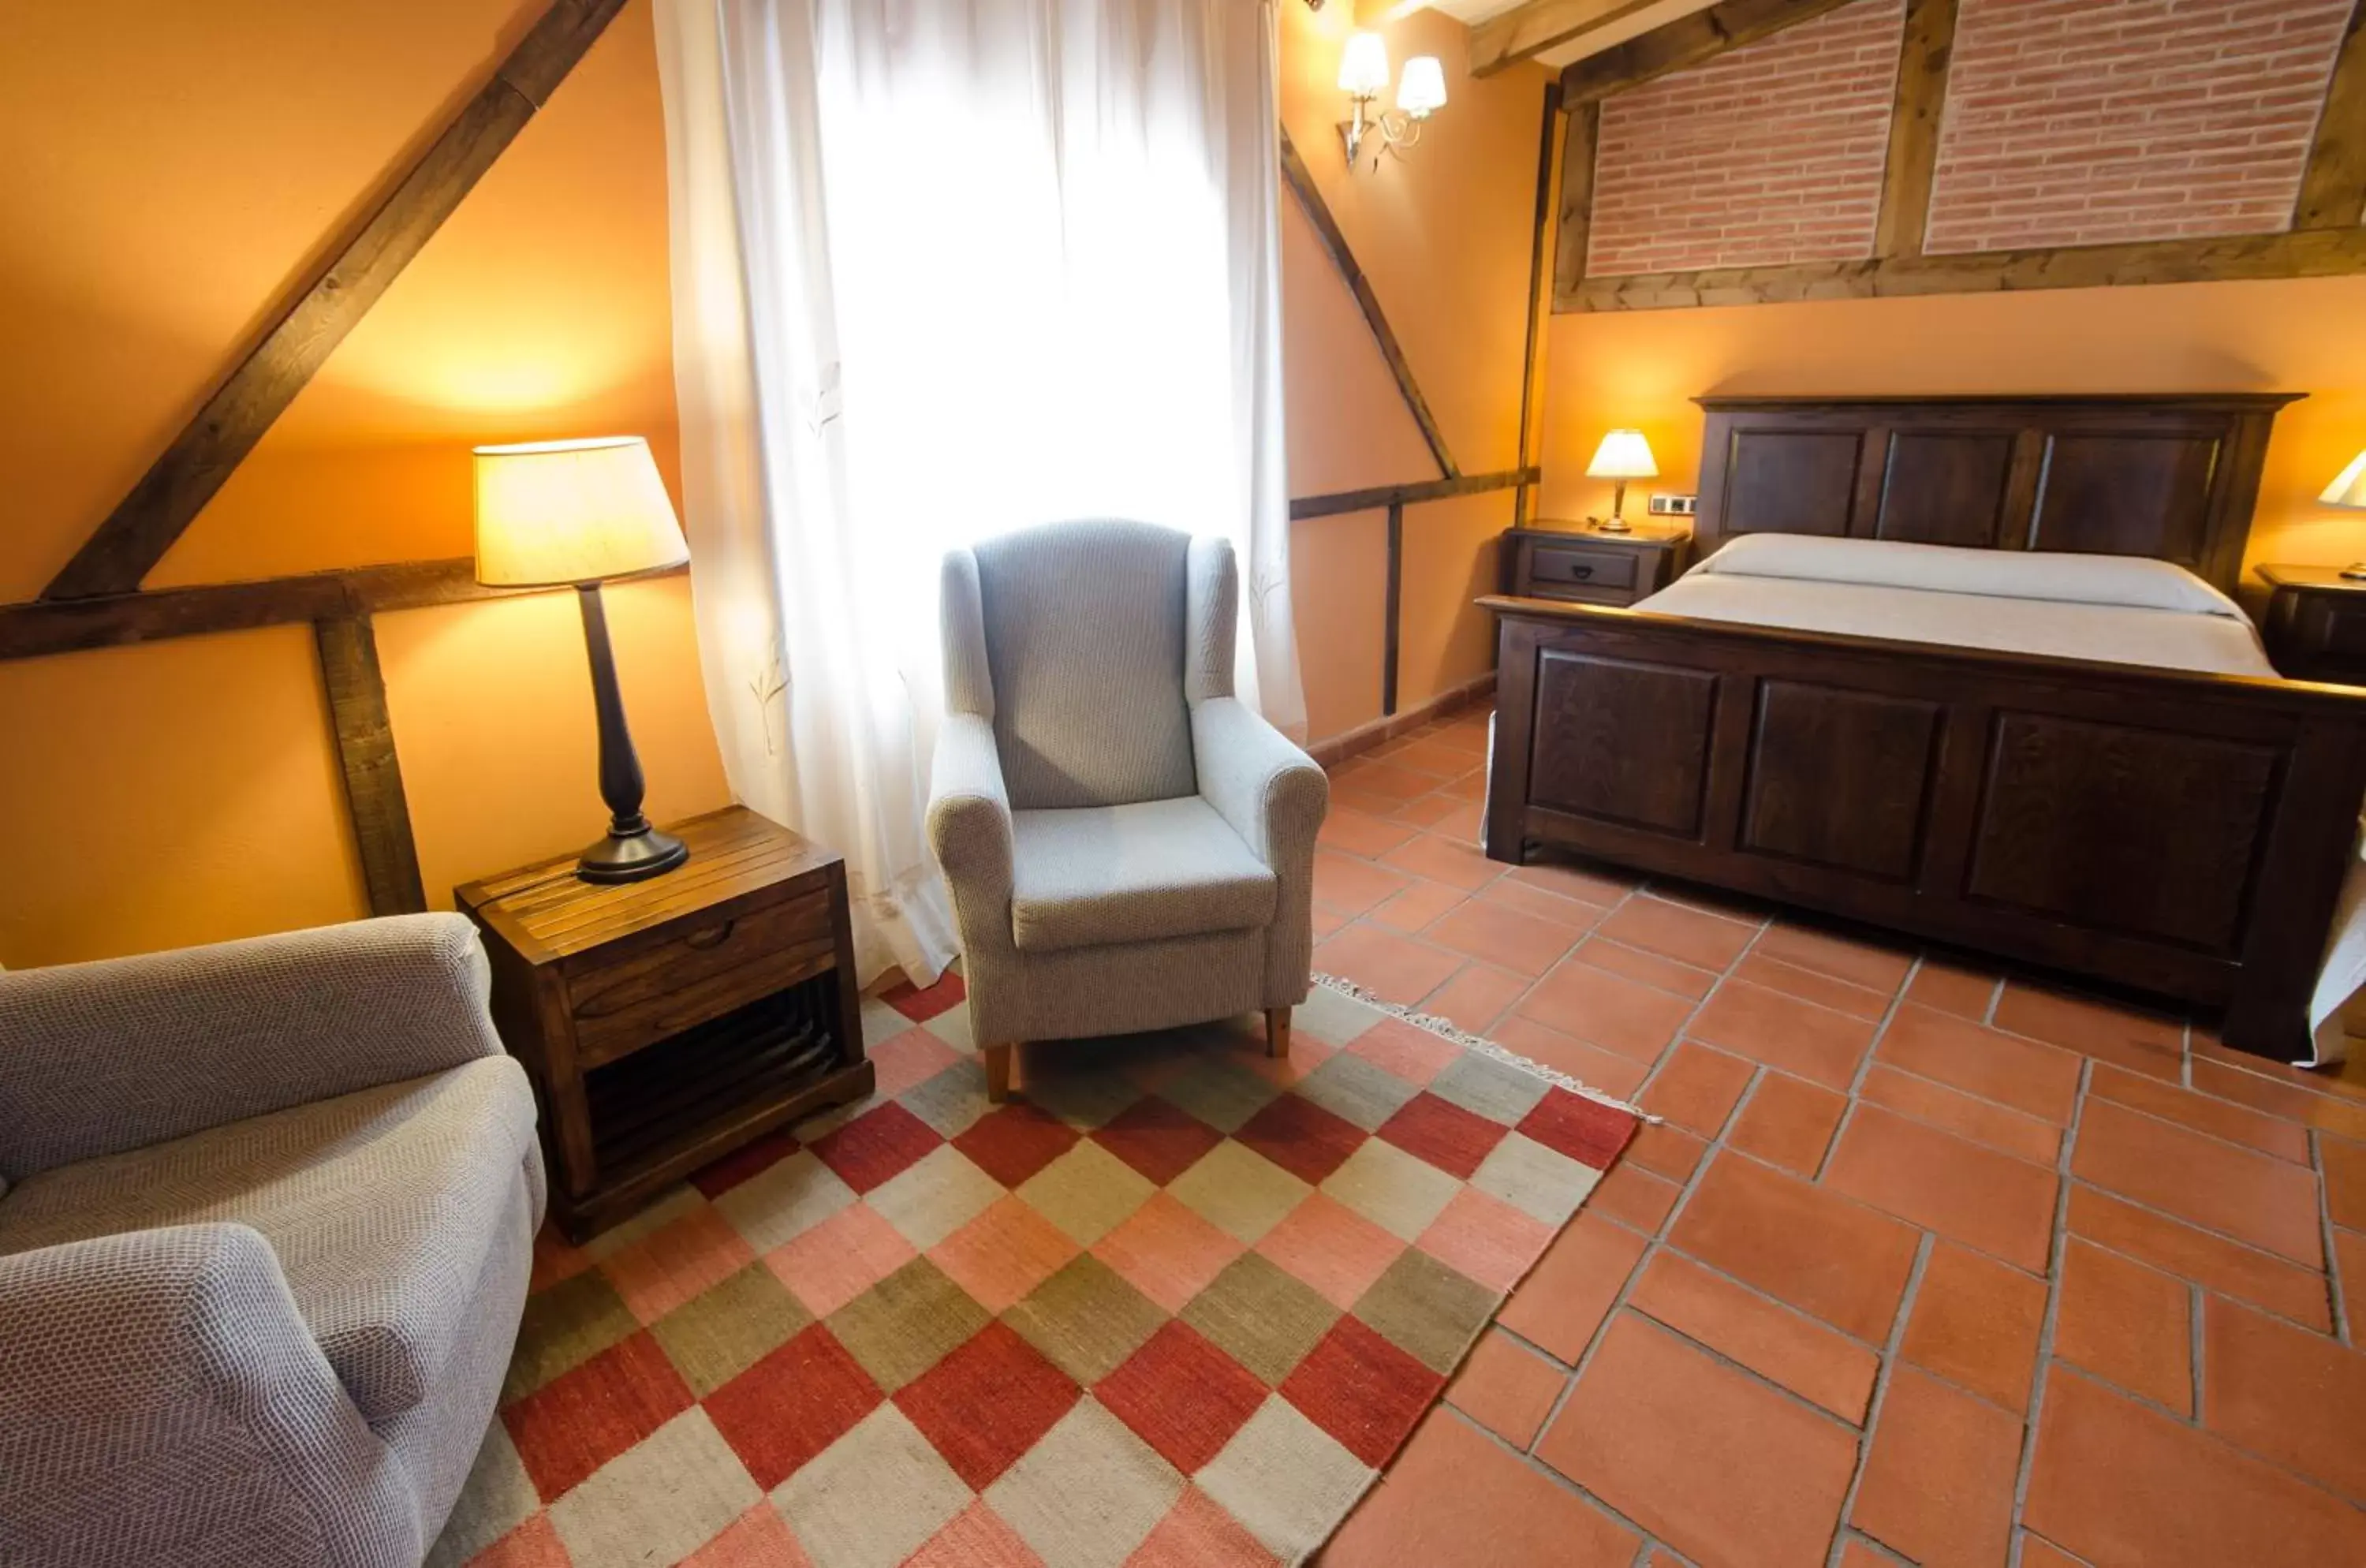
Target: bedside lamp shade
[1623, 455]
[2348, 488]
[551, 513]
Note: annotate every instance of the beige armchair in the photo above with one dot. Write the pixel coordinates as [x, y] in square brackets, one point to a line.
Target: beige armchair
[1128, 845]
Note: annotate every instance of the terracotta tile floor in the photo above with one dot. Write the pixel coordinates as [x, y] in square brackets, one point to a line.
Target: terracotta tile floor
[1923, 1264]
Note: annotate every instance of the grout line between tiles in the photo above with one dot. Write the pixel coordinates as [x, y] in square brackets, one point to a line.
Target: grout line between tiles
[2048, 1323]
[2344, 1330]
[1892, 1354]
[1651, 1542]
[2196, 1304]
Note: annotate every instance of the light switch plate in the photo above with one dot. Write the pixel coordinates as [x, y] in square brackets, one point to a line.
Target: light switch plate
[1667, 504]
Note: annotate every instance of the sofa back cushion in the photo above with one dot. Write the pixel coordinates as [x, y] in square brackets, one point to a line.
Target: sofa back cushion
[1083, 638]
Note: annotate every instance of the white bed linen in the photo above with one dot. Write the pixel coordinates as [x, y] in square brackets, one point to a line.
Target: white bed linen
[2129, 616]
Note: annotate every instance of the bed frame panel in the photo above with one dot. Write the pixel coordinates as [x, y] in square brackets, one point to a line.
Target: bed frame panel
[2179, 833]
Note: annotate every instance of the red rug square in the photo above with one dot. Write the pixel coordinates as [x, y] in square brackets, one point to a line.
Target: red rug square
[1362, 1389]
[1182, 1395]
[585, 1417]
[741, 1164]
[876, 1146]
[1442, 1133]
[988, 1402]
[1585, 1129]
[920, 1006]
[792, 1404]
[1301, 1137]
[1016, 1141]
[1157, 1139]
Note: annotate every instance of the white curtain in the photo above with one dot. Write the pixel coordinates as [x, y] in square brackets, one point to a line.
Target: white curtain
[943, 268]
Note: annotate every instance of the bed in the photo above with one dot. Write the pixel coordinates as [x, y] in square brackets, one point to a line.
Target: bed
[2053, 741]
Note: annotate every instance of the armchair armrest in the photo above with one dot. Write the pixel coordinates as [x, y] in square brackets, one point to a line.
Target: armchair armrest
[127, 1052]
[1271, 793]
[970, 830]
[144, 1371]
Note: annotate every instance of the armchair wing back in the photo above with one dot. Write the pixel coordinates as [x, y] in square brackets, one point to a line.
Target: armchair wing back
[1129, 847]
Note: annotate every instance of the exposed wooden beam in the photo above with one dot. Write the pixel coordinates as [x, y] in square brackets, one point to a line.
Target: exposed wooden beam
[1525, 31]
[374, 798]
[2333, 186]
[47, 626]
[1393, 602]
[1579, 139]
[1688, 40]
[1326, 229]
[2320, 254]
[1915, 114]
[308, 327]
[1539, 281]
[1382, 496]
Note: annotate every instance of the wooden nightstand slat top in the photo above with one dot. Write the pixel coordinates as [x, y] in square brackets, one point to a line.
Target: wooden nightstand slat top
[2322, 577]
[549, 913]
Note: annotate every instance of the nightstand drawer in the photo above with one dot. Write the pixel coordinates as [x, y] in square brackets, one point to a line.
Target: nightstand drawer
[1561, 567]
[721, 962]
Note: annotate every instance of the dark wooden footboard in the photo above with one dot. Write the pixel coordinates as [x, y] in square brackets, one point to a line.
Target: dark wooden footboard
[2182, 834]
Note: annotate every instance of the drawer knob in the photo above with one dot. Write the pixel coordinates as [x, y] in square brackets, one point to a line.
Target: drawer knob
[714, 936]
[1580, 572]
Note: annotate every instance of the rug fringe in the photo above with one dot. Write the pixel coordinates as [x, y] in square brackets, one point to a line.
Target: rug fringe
[1446, 1029]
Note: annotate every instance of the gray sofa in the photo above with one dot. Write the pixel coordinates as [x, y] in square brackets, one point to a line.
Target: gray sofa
[1128, 845]
[266, 1214]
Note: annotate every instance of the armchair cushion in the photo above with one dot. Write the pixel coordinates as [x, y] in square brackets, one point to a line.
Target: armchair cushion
[380, 1206]
[1125, 874]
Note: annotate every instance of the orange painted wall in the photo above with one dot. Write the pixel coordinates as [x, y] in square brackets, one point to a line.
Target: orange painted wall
[166, 170]
[1641, 368]
[1444, 235]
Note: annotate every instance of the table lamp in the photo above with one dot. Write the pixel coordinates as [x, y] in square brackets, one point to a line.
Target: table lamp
[2349, 489]
[1624, 454]
[551, 514]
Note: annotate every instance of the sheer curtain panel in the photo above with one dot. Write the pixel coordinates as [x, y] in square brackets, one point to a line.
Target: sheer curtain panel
[943, 268]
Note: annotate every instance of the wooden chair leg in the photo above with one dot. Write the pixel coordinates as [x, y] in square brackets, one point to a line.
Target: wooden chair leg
[1276, 1031]
[997, 1073]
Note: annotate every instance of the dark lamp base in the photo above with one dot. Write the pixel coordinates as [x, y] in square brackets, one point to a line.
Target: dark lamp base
[630, 857]
[2355, 571]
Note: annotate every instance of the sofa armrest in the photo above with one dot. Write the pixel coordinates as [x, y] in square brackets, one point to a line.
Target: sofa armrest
[116, 1055]
[969, 829]
[147, 1373]
[1271, 793]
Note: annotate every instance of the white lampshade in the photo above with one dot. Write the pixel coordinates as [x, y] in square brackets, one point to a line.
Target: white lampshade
[1623, 455]
[1364, 66]
[1422, 88]
[2349, 488]
[558, 512]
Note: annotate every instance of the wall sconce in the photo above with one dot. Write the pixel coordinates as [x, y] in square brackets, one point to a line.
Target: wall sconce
[1363, 73]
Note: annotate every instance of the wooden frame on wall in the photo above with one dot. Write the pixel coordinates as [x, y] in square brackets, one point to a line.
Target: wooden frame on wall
[2325, 239]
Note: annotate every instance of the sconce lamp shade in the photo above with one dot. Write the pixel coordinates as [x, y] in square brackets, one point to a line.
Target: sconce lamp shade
[1422, 88]
[559, 512]
[1623, 455]
[1364, 65]
[2349, 488]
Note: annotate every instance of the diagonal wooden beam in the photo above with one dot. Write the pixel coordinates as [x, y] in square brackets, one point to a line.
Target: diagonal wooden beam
[1686, 42]
[1525, 31]
[374, 798]
[1928, 44]
[2333, 186]
[305, 331]
[1579, 139]
[1540, 263]
[1326, 229]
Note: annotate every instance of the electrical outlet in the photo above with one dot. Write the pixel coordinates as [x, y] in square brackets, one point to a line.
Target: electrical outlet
[1664, 504]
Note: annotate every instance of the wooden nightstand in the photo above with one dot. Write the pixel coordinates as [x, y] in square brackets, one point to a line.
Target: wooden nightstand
[667, 1023]
[2315, 624]
[1591, 567]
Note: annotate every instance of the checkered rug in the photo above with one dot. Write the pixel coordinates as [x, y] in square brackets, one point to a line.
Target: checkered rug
[1176, 1303]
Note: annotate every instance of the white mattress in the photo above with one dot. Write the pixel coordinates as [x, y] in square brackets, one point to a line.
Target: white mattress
[2121, 610]
[1887, 591]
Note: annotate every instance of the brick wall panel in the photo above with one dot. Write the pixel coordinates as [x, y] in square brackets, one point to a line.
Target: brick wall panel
[1769, 154]
[2079, 122]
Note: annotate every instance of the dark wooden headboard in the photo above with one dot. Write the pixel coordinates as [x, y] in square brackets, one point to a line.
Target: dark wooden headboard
[2171, 476]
